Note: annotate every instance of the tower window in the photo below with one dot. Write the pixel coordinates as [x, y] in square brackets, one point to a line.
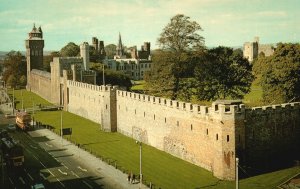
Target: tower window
[144, 114]
[154, 116]
[227, 138]
[217, 137]
[206, 131]
[191, 127]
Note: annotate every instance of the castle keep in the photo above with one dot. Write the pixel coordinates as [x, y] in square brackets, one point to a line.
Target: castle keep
[208, 136]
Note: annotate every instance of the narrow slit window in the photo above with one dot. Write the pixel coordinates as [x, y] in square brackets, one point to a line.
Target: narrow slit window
[227, 138]
[217, 137]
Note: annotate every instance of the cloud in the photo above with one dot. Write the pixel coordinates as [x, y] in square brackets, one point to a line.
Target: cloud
[272, 13]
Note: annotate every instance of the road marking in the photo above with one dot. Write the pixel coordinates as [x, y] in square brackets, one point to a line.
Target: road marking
[22, 180]
[35, 157]
[75, 174]
[28, 174]
[87, 184]
[64, 173]
[50, 172]
[82, 169]
[33, 147]
[49, 145]
[64, 165]
[43, 176]
[42, 164]
[11, 181]
[60, 182]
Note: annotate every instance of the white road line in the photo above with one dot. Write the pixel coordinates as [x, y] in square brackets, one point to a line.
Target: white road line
[43, 176]
[64, 165]
[87, 184]
[50, 172]
[75, 174]
[22, 180]
[49, 145]
[28, 174]
[11, 181]
[82, 169]
[64, 173]
[60, 182]
[42, 164]
[33, 147]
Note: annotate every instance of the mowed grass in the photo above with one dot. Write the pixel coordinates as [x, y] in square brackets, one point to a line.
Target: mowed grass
[163, 170]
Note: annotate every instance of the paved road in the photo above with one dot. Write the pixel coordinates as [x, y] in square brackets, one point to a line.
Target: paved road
[79, 164]
[59, 165]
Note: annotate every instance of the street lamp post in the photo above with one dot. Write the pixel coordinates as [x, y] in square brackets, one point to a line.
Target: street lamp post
[141, 175]
[22, 100]
[13, 101]
[237, 173]
[61, 125]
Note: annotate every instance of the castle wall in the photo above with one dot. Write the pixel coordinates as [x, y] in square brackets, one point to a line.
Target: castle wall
[93, 102]
[272, 131]
[40, 82]
[198, 134]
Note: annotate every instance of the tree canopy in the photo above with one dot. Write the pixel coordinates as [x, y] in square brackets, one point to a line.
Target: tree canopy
[110, 50]
[223, 73]
[281, 74]
[70, 50]
[15, 69]
[181, 35]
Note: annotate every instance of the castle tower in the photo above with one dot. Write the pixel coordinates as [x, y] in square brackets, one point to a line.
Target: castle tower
[95, 43]
[85, 54]
[34, 51]
[120, 50]
[101, 48]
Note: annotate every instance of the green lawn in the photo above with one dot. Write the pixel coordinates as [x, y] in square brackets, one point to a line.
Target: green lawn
[162, 169]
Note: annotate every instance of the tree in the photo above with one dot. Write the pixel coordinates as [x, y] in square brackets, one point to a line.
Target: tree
[222, 74]
[181, 35]
[15, 67]
[110, 50]
[111, 77]
[179, 41]
[281, 78]
[70, 50]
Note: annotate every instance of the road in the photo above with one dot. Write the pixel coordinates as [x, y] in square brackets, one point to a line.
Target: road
[60, 165]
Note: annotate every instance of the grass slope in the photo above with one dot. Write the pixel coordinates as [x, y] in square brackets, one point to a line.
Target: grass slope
[160, 168]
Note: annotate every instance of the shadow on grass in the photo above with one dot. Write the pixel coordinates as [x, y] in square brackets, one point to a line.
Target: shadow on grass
[67, 155]
[41, 139]
[57, 150]
[108, 141]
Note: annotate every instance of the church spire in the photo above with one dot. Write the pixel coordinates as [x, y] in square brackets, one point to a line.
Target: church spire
[120, 50]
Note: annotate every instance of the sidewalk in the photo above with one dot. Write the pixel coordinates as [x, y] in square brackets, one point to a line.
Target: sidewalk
[92, 162]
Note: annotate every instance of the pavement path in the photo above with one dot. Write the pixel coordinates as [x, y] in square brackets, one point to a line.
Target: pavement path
[112, 177]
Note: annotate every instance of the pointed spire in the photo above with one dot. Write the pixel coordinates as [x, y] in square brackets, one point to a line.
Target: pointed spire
[34, 28]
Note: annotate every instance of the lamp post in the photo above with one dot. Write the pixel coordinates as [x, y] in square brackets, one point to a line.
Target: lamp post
[61, 125]
[237, 173]
[141, 175]
[13, 111]
[22, 100]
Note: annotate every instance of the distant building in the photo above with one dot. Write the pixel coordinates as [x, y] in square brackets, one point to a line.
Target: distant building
[134, 67]
[97, 50]
[253, 49]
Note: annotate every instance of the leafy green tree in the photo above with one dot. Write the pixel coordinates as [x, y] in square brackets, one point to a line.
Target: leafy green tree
[110, 50]
[111, 77]
[23, 80]
[281, 78]
[179, 41]
[15, 67]
[222, 74]
[70, 50]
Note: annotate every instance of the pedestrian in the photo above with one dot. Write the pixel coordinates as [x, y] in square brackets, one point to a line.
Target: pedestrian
[133, 178]
[128, 177]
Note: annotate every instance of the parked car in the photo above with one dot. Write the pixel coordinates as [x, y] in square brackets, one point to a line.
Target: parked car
[38, 186]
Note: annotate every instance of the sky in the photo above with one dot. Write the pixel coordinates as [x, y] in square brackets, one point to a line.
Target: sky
[224, 22]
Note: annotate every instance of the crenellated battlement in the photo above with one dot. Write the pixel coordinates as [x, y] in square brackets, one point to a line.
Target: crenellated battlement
[274, 108]
[88, 72]
[101, 88]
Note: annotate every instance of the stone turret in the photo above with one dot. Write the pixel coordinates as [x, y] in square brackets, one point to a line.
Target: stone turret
[85, 54]
[34, 51]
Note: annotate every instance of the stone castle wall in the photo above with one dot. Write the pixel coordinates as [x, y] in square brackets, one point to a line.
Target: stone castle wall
[40, 83]
[201, 135]
[272, 131]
